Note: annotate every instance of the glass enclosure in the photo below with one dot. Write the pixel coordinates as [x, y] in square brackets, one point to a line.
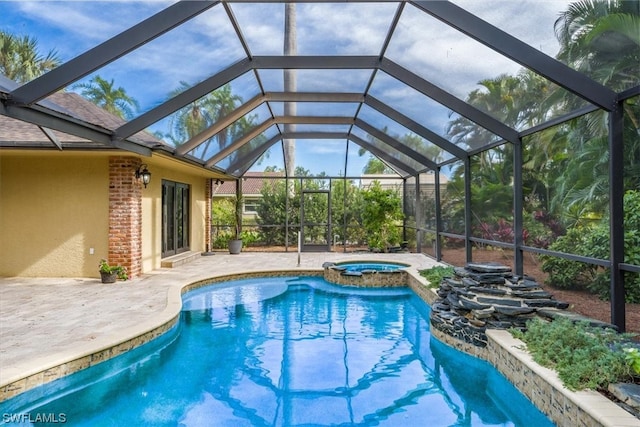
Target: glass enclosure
[453, 128]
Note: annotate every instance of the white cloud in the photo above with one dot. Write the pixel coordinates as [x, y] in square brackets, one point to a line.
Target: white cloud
[325, 146]
[91, 22]
[262, 26]
[529, 20]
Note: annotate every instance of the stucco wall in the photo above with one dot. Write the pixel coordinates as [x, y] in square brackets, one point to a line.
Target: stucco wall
[53, 209]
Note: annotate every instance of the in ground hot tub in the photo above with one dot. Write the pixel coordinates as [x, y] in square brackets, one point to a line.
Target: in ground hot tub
[366, 273]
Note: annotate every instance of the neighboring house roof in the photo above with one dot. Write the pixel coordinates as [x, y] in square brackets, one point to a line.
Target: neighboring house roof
[251, 184]
[253, 181]
[428, 178]
[16, 133]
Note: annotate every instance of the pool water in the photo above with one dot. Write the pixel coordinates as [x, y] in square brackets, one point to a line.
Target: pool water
[292, 351]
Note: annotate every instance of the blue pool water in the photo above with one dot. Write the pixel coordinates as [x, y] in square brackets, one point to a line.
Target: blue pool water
[377, 266]
[288, 351]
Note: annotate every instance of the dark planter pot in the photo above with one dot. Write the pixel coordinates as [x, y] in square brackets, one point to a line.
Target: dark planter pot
[109, 277]
[235, 246]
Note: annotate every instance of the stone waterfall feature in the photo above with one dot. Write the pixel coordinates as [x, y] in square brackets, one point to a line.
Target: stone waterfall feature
[487, 295]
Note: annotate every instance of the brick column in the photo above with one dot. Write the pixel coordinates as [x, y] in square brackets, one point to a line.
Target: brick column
[125, 214]
[207, 214]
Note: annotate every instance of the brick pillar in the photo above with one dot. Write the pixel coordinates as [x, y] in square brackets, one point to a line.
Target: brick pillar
[207, 214]
[125, 214]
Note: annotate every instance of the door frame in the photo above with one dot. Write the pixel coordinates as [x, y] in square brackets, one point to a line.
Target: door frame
[179, 218]
[315, 247]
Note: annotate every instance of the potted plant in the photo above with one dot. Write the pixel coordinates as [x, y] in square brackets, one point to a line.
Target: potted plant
[110, 273]
[235, 244]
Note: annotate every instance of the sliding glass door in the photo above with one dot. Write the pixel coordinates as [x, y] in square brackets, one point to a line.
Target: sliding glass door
[175, 218]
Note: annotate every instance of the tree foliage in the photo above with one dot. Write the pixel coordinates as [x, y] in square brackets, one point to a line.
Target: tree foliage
[20, 59]
[381, 217]
[565, 168]
[594, 242]
[105, 95]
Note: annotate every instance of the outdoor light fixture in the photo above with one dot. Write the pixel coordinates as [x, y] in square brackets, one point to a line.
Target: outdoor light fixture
[218, 182]
[143, 172]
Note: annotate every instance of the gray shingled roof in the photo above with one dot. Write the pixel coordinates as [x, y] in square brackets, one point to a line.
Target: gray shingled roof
[17, 133]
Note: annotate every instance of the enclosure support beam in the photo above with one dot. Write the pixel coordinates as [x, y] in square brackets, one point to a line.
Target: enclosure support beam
[419, 215]
[467, 207]
[518, 225]
[438, 249]
[516, 50]
[616, 215]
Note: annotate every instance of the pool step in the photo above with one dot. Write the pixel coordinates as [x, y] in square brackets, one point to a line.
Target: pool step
[180, 259]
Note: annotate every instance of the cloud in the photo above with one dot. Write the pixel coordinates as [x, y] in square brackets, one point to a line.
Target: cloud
[325, 146]
[88, 23]
[262, 26]
[345, 28]
[529, 20]
[323, 29]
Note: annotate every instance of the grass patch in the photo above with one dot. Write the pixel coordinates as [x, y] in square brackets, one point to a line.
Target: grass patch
[435, 274]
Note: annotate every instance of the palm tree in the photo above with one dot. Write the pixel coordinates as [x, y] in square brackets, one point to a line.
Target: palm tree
[114, 100]
[290, 84]
[601, 39]
[204, 113]
[20, 60]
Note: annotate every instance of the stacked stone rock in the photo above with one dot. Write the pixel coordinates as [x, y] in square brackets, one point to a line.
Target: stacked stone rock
[487, 295]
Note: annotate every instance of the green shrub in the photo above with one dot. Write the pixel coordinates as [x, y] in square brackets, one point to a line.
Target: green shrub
[381, 217]
[584, 356]
[249, 237]
[221, 240]
[435, 274]
[564, 273]
[632, 356]
[594, 242]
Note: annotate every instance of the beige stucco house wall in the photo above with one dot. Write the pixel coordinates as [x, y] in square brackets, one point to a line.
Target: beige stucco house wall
[55, 214]
[53, 211]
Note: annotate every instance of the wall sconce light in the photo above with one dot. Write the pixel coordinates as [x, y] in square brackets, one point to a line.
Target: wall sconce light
[218, 182]
[143, 172]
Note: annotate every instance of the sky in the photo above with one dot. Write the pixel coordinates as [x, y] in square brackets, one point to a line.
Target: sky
[208, 44]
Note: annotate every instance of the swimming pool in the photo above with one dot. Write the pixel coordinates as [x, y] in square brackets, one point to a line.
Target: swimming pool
[287, 351]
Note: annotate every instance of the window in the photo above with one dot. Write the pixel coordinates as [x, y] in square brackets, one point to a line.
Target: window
[251, 205]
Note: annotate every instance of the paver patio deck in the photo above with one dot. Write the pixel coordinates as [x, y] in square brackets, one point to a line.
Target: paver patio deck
[45, 322]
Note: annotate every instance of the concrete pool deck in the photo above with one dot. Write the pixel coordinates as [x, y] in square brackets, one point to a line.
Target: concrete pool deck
[47, 322]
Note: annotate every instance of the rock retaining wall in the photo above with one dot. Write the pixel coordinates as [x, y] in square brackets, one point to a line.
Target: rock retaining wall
[487, 295]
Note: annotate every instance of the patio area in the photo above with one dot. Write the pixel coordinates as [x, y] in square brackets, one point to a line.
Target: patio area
[47, 322]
